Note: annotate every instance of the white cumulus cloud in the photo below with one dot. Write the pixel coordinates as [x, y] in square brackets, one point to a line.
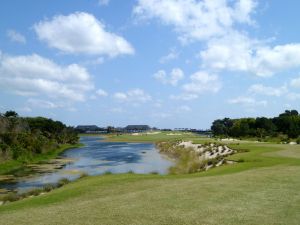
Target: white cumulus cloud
[133, 96]
[101, 93]
[267, 90]
[34, 75]
[39, 103]
[218, 25]
[295, 82]
[197, 20]
[202, 82]
[184, 97]
[239, 53]
[103, 2]
[293, 96]
[173, 78]
[16, 36]
[247, 101]
[173, 54]
[231, 53]
[270, 60]
[81, 32]
[184, 108]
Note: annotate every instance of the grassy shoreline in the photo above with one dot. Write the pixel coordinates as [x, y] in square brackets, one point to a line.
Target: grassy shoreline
[231, 194]
[260, 154]
[267, 180]
[13, 165]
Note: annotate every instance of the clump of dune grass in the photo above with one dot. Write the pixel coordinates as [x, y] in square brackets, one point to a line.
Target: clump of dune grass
[154, 173]
[107, 172]
[14, 196]
[33, 192]
[10, 197]
[63, 182]
[82, 175]
[49, 187]
[188, 160]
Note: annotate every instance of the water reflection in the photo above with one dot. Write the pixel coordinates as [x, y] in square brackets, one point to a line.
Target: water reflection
[97, 158]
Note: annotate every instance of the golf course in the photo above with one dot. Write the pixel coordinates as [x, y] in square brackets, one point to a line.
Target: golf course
[149, 112]
[261, 188]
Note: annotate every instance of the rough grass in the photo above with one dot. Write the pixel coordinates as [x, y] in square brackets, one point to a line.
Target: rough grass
[14, 165]
[187, 160]
[264, 189]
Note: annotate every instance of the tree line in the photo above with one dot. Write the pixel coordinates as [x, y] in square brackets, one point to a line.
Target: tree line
[286, 125]
[22, 138]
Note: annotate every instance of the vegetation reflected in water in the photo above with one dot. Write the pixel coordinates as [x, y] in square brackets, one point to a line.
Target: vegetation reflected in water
[94, 158]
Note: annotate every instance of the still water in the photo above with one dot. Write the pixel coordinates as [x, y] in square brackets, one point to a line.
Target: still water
[96, 158]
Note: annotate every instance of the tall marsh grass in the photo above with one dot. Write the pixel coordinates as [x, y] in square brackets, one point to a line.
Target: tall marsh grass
[188, 161]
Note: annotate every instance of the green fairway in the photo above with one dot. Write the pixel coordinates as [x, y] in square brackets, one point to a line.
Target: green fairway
[162, 136]
[264, 189]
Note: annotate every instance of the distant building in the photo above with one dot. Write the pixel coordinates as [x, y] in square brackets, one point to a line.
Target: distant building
[137, 128]
[119, 129]
[166, 129]
[90, 129]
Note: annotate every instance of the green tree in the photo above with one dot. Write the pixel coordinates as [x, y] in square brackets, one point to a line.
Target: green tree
[266, 124]
[9, 114]
[111, 129]
[21, 138]
[221, 127]
[288, 123]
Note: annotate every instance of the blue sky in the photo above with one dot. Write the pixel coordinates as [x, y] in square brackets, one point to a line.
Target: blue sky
[166, 63]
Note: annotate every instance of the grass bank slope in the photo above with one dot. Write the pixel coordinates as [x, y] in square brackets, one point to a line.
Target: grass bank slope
[261, 196]
[264, 189]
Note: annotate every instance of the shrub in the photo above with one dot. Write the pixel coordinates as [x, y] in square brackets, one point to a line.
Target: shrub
[33, 192]
[82, 175]
[11, 197]
[49, 187]
[283, 138]
[298, 140]
[241, 150]
[63, 182]
[241, 160]
[107, 172]
[154, 172]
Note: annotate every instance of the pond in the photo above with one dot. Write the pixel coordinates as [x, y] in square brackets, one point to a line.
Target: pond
[95, 158]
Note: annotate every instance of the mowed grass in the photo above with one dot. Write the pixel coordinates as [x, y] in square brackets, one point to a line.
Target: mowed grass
[264, 189]
[163, 136]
